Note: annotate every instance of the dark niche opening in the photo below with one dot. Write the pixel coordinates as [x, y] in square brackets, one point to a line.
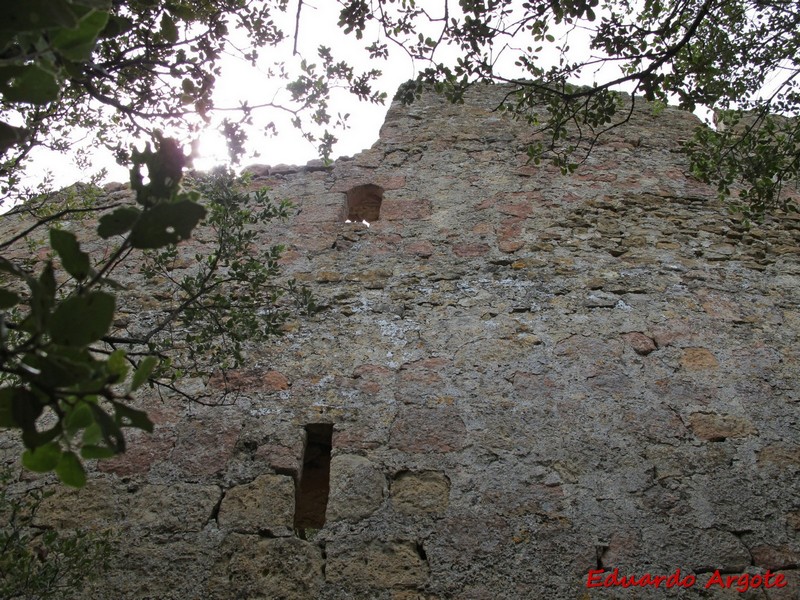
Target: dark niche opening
[313, 487]
[364, 203]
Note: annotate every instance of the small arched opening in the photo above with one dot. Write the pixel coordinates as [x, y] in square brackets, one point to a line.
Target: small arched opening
[364, 203]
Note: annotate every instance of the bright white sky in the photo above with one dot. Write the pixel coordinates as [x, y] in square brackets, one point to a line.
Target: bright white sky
[240, 81]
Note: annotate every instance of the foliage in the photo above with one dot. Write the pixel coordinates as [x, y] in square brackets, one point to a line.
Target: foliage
[740, 58]
[123, 68]
[38, 564]
[54, 375]
[226, 297]
[129, 66]
[70, 377]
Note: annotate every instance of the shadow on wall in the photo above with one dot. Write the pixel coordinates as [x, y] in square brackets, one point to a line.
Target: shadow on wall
[363, 203]
[314, 485]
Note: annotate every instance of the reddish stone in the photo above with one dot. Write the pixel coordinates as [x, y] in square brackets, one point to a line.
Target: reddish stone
[275, 381]
[330, 213]
[470, 250]
[394, 182]
[249, 379]
[716, 427]
[313, 237]
[372, 371]
[279, 458]
[486, 203]
[515, 209]
[672, 332]
[288, 257]
[385, 243]
[232, 379]
[422, 249]
[396, 209]
[510, 246]
[528, 170]
[596, 176]
[204, 446]
[263, 182]
[419, 376]
[508, 235]
[369, 387]
[143, 451]
[424, 429]
[356, 438]
[780, 456]
[774, 558]
[640, 343]
[721, 308]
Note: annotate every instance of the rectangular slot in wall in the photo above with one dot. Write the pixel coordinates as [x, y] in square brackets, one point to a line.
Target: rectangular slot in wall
[314, 485]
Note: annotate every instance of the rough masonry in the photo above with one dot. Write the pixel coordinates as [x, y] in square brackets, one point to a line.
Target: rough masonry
[519, 378]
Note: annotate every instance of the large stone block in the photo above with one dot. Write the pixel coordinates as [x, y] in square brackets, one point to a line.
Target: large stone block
[357, 488]
[420, 493]
[260, 568]
[266, 504]
[377, 564]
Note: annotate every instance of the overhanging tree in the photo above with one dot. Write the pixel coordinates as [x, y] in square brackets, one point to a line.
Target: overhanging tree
[131, 66]
[67, 374]
[738, 58]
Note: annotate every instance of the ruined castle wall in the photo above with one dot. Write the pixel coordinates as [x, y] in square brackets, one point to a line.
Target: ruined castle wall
[528, 376]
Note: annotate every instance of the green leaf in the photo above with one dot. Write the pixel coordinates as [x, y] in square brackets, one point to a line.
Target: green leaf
[36, 15]
[10, 136]
[81, 320]
[168, 29]
[116, 26]
[117, 365]
[47, 281]
[7, 407]
[41, 301]
[60, 368]
[79, 42]
[97, 452]
[74, 260]
[118, 222]
[166, 223]
[112, 434]
[34, 439]
[6, 410]
[92, 435]
[70, 470]
[31, 83]
[6, 266]
[130, 417]
[96, 4]
[143, 372]
[25, 407]
[42, 459]
[7, 299]
[78, 417]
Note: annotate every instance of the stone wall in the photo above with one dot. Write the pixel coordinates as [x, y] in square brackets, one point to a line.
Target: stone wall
[522, 376]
